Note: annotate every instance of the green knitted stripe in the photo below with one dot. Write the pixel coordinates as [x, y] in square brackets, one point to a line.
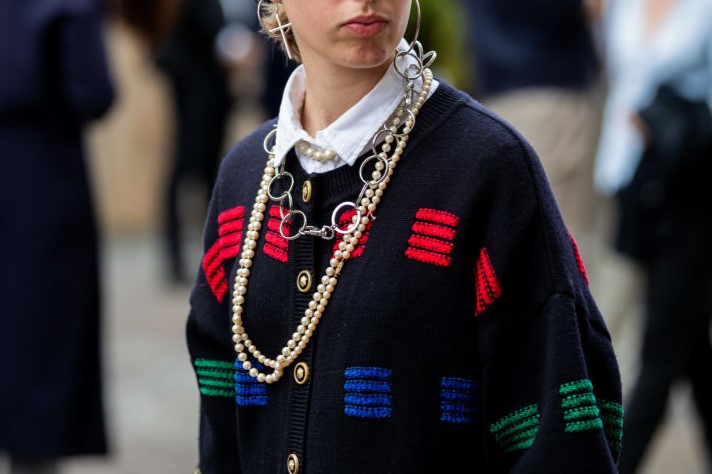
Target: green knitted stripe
[614, 438]
[214, 373]
[584, 425]
[523, 445]
[517, 430]
[577, 386]
[214, 364]
[217, 392]
[515, 418]
[611, 408]
[571, 401]
[216, 378]
[612, 421]
[573, 414]
[612, 416]
[217, 383]
[517, 439]
[525, 424]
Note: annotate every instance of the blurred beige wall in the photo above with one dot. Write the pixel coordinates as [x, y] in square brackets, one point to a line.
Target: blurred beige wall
[129, 148]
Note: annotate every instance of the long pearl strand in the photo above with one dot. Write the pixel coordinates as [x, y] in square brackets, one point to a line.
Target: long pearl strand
[243, 345]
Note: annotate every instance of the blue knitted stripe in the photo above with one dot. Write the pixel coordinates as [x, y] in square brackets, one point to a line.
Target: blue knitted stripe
[368, 373]
[457, 383]
[458, 398]
[251, 400]
[249, 392]
[457, 418]
[373, 400]
[368, 412]
[250, 388]
[367, 392]
[457, 407]
[360, 386]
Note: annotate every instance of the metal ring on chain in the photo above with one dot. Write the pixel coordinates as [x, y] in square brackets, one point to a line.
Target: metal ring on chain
[270, 136]
[335, 223]
[288, 217]
[281, 205]
[278, 177]
[384, 172]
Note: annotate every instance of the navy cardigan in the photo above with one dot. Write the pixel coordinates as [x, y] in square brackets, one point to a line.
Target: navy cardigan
[462, 331]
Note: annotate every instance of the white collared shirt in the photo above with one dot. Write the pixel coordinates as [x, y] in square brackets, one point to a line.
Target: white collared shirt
[351, 134]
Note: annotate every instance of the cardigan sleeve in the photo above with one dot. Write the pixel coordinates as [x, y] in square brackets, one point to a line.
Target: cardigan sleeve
[208, 335]
[551, 393]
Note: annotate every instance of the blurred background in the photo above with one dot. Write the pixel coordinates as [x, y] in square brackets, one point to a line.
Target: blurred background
[190, 78]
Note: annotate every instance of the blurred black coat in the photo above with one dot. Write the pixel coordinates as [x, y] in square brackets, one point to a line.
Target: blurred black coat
[53, 81]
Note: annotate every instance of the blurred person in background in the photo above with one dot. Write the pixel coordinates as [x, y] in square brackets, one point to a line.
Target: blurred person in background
[53, 83]
[655, 156]
[201, 99]
[536, 65]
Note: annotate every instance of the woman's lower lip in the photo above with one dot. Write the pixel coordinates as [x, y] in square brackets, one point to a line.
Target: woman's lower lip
[366, 30]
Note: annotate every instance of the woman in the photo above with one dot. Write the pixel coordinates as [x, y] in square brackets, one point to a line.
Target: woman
[407, 309]
[654, 155]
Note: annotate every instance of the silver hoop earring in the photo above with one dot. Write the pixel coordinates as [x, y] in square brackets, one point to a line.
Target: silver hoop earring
[417, 26]
[282, 28]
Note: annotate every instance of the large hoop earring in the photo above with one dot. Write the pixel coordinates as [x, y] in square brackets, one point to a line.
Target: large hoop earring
[282, 28]
[417, 27]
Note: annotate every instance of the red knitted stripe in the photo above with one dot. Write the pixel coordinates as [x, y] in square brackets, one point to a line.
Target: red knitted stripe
[273, 225]
[231, 226]
[427, 257]
[221, 290]
[227, 246]
[579, 260]
[439, 217]
[275, 252]
[274, 211]
[487, 284]
[434, 230]
[345, 222]
[358, 251]
[277, 240]
[214, 274]
[275, 245]
[230, 245]
[210, 258]
[428, 243]
[231, 214]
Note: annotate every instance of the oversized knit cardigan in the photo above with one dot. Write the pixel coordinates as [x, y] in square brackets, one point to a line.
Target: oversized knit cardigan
[461, 332]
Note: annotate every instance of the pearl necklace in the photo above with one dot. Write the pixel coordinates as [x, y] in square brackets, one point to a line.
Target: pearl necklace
[368, 200]
[314, 152]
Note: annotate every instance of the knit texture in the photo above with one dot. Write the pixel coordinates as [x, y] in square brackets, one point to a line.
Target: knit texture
[465, 306]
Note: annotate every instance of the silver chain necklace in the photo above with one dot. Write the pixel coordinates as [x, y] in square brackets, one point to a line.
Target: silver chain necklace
[413, 66]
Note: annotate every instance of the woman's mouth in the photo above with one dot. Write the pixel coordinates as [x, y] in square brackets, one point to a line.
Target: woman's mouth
[366, 26]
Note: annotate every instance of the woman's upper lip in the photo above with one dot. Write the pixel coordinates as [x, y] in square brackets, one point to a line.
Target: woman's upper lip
[366, 19]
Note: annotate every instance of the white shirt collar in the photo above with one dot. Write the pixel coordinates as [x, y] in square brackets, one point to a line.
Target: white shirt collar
[351, 134]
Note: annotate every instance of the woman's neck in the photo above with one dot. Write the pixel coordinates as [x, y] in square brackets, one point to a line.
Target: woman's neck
[330, 95]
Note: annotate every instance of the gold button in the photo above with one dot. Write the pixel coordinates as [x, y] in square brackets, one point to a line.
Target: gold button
[304, 281]
[293, 464]
[301, 373]
[306, 191]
